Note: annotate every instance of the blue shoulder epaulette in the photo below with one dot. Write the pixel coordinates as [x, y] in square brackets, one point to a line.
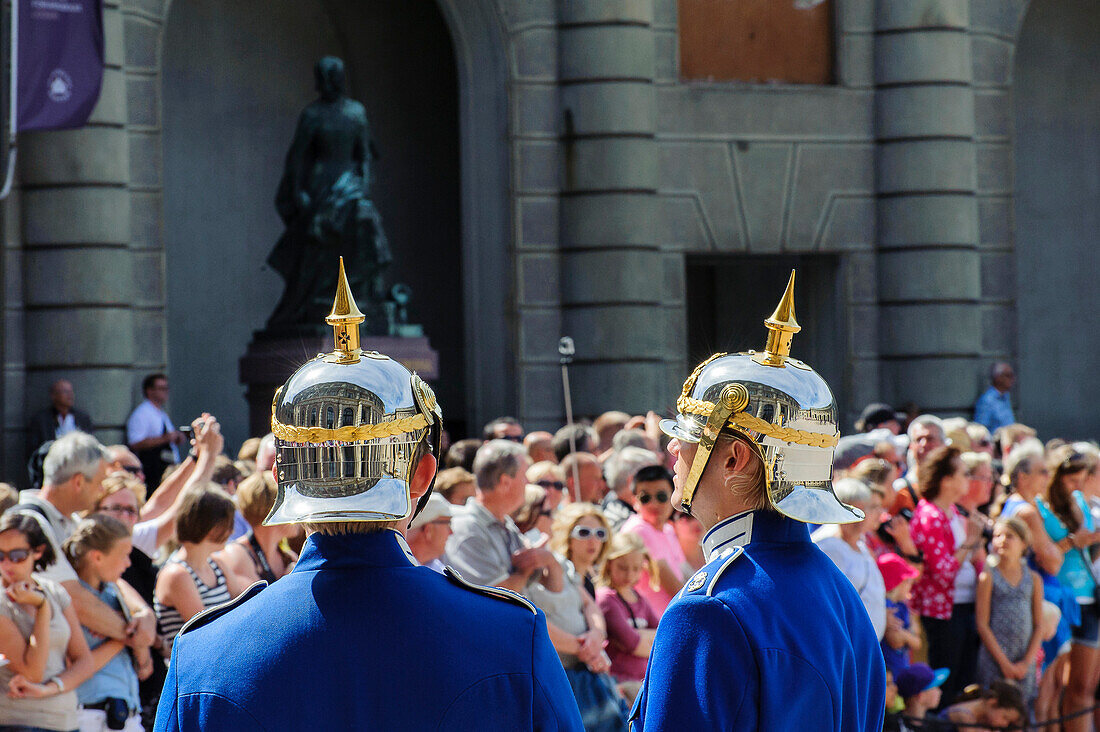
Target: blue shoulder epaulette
[704, 580]
[213, 613]
[498, 592]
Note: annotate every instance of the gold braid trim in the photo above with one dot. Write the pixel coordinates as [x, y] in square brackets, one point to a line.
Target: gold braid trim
[746, 421]
[318, 435]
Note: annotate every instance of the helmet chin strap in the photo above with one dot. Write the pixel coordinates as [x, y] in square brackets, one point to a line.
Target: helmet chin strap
[732, 399]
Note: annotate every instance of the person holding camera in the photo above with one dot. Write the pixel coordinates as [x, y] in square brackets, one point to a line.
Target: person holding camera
[151, 433]
[40, 636]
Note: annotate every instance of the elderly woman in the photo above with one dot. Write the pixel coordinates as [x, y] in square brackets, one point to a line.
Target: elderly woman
[551, 478]
[580, 539]
[943, 480]
[845, 545]
[259, 554]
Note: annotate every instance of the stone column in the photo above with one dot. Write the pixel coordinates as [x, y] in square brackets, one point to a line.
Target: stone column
[78, 279]
[928, 261]
[611, 265]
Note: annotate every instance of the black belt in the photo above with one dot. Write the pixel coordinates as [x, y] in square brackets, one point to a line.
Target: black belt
[103, 705]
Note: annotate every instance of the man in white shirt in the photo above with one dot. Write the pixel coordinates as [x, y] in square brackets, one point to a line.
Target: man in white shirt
[74, 470]
[151, 433]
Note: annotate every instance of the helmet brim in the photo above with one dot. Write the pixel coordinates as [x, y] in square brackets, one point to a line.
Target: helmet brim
[681, 429]
[387, 500]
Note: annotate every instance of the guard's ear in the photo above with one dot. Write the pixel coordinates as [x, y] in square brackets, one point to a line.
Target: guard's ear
[422, 478]
[739, 457]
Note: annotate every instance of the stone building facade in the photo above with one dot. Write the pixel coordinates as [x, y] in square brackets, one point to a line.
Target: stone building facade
[572, 182]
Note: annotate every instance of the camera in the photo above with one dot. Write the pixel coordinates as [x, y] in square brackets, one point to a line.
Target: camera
[117, 711]
[906, 514]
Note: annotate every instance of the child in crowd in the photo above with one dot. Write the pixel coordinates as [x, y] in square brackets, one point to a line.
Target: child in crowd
[631, 621]
[920, 686]
[999, 705]
[901, 637]
[1009, 606]
[99, 551]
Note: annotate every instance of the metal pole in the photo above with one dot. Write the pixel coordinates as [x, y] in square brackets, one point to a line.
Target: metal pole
[566, 349]
[13, 93]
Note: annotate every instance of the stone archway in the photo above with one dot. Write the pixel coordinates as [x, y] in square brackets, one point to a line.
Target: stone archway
[480, 64]
[1057, 214]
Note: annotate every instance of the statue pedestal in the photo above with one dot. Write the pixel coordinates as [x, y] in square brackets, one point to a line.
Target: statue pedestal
[270, 360]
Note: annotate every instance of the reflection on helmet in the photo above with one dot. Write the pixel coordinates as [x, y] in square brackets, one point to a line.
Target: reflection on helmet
[779, 406]
[349, 426]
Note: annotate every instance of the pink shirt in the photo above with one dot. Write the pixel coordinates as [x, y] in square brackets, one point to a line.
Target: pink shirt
[661, 544]
[934, 591]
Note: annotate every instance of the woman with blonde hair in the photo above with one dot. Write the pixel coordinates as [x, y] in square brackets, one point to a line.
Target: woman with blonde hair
[574, 536]
[580, 538]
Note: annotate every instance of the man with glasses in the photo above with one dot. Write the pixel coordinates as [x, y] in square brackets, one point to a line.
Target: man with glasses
[503, 428]
[651, 489]
[151, 433]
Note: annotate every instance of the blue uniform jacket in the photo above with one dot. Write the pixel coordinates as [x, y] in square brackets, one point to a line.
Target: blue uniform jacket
[770, 637]
[358, 637]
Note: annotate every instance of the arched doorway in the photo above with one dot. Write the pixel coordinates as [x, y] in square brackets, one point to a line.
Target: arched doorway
[1057, 207]
[234, 78]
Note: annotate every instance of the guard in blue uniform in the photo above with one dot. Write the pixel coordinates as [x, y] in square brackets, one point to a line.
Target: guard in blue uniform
[769, 635]
[359, 636]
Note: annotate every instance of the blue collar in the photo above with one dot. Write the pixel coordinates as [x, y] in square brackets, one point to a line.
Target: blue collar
[381, 549]
[751, 527]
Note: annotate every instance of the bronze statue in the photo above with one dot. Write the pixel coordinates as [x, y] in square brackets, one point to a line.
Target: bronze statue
[323, 200]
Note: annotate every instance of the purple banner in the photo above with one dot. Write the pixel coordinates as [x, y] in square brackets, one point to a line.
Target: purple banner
[60, 62]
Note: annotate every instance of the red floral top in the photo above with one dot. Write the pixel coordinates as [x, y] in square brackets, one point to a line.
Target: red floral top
[934, 591]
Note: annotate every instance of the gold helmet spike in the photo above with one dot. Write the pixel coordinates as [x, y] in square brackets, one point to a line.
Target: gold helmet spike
[345, 319]
[781, 328]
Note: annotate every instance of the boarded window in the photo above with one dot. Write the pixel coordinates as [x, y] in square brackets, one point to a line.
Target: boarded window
[757, 41]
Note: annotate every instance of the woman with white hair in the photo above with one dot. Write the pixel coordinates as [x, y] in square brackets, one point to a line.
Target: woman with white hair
[845, 545]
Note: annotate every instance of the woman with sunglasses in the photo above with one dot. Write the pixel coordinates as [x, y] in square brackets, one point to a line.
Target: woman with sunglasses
[551, 478]
[651, 487]
[40, 635]
[1068, 524]
[580, 538]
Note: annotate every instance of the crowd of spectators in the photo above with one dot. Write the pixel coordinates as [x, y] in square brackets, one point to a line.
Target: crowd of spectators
[973, 560]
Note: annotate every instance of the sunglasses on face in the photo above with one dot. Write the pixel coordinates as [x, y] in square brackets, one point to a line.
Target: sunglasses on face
[127, 510]
[132, 470]
[555, 484]
[15, 555]
[587, 532]
[659, 496]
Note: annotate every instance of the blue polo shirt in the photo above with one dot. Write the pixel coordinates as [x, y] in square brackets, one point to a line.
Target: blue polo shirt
[994, 409]
[769, 635]
[360, 637]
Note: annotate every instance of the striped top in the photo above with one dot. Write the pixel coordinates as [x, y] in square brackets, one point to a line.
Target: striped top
[169, 620]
